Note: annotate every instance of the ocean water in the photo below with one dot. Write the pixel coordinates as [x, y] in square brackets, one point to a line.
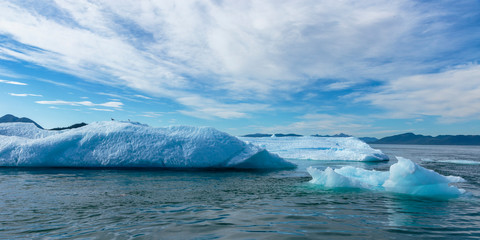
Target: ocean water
[66, 203]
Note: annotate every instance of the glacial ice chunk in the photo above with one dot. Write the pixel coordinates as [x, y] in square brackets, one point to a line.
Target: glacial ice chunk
[319, 148]
[404, 177]
[121, 144]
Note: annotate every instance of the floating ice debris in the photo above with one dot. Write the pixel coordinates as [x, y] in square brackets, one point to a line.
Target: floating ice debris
[458, 161]
[320, 148]
[404, 177]
[120, 144]
[426, 160]
[454, 161]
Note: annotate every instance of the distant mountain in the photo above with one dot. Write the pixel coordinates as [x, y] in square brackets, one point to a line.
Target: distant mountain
[368, 139]
[10, 118]
[78, 125]
[336, 135]
[411, 138]
[287, 135]
[258, 135]
[270, 135]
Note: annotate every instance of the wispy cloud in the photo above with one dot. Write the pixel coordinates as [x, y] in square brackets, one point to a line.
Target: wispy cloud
[141, 96]
[126, 97]
[10, 74]
[229, 54]
[24, 95]
[82, 103]
[324, 124]
[13, 82]
[336, 86]
[453, 95]
[152, 114]
[207, 108]
[102, 109]
[57, 83]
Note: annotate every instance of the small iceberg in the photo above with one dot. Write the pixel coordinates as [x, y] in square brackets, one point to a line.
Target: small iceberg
[319, 148]
[124, 144]
[404, 177]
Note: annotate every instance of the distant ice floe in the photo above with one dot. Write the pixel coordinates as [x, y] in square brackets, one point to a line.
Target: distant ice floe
[465, 162]
[404, 177]
[319, 148]
[123, 144]
[454, 161]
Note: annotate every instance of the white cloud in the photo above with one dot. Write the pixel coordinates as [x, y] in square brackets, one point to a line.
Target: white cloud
[141, 96]
[152, 114]
[61, 84]
[208, 108]
[24, 95]
[453, 95]
[115, 97]
[323, 124]
[239, 50]
[13, 82]
[102, 109]
[336, 86]
[82, 103]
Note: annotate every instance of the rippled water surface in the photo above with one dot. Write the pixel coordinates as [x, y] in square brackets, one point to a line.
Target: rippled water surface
[166, 204]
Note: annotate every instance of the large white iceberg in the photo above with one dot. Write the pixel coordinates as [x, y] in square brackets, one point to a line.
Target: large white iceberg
[404, 177]
[123, 144]
[319, 148]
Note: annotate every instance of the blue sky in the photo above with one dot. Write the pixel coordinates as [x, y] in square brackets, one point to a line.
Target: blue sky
[367, 68]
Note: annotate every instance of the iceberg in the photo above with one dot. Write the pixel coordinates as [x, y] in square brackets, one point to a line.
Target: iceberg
[319, 148]
[404, 177]
[124, 144]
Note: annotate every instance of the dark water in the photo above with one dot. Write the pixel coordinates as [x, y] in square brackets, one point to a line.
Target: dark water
[160, 204]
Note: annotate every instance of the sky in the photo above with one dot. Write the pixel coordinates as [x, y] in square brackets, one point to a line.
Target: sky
[366, 68]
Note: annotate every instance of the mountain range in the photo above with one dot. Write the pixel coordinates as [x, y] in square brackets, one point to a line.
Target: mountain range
[411, 138]
[271, 135]
[10, 118]
[293, 135]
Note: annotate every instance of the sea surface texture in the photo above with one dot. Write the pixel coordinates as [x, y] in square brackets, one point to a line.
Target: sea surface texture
[421, 192]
